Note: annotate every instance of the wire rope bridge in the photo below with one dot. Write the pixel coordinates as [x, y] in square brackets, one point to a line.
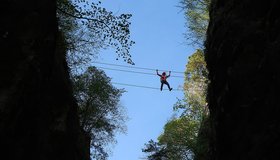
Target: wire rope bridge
[136, 72]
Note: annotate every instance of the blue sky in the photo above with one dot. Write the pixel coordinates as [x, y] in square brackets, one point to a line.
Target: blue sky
[157, 28]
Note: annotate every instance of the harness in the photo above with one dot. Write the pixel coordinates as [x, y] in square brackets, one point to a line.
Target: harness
[163, 78]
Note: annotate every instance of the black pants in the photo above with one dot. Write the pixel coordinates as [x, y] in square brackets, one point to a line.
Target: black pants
[164, 82]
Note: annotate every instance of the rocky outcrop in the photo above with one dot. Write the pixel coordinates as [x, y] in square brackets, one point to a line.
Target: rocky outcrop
[243, 58]
[38, 115]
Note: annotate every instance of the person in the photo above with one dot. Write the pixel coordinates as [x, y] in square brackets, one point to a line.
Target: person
[163, 80]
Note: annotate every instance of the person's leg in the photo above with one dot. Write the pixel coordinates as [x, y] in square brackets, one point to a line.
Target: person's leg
[161, 85]
[168, 85]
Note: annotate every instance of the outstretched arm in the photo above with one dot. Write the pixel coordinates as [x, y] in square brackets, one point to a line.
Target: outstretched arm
[158, 74]
[169, 74]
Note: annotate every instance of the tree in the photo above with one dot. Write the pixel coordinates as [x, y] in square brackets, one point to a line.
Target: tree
[101, 115]
[155, 151]
[194, 106]
[178, 142]
[179, 137]
[195, 86]
[181, 134]
[87, 28]
[197, 16]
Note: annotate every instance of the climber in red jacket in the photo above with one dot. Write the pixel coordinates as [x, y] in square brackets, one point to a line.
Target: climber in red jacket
[163, 78]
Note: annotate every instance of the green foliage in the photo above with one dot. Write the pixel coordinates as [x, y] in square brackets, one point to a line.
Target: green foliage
[197, 16]
[179, 137]
[183, 137]
[178, 142]
[155, 151]
[186, 137]
[88, 27]
[196, 67]
[194, 107]
[85, 28]
[101, 116]
[195, 86]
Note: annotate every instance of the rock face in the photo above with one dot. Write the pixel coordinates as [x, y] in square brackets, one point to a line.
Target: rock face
[38, 115]
[243, 58]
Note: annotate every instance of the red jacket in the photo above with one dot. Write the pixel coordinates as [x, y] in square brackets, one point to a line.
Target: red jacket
[163, 77]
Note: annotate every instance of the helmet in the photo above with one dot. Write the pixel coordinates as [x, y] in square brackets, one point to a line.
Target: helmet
[163, 73]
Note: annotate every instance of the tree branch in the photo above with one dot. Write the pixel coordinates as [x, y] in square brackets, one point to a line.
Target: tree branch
[86, 18]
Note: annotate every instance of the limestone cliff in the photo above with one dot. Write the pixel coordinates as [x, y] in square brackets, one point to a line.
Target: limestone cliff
[243, 58]
[38, 115]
